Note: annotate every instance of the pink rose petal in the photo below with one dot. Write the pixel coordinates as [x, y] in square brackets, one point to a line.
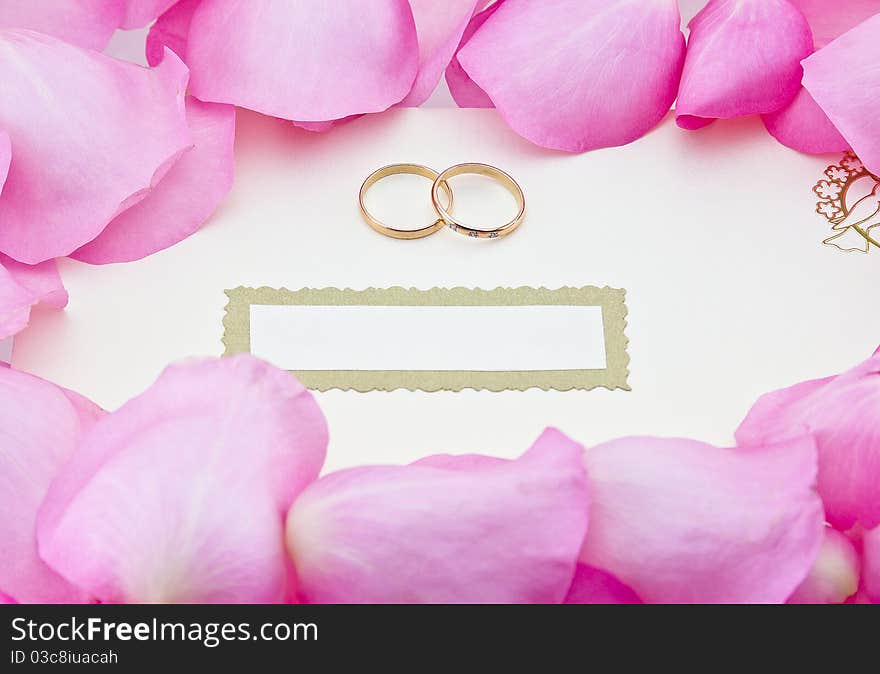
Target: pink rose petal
[835, 575]
[15, 305]
[594, 586]
[316, 127]
[42, 280]
[314, 61]
[6, 599]
[444, 530]
[21, 287]
[844, 415]
[871, 564]
[139, 13]
[171, 30]
[466, 462]
[830, 19]
[86, 23]
[743, 58]
[185, 198]
[5, 157]
[39, 429]
[859, 598]
[801, 125]
[87, 412]
[324, 127]
[577, 75]
[844, 79]
[439, 26]
[463, 89]
[679, 521]
[90, 134]
[180, 495]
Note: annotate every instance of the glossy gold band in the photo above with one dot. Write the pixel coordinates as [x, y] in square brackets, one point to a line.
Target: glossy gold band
[483, 170]
[411, 169]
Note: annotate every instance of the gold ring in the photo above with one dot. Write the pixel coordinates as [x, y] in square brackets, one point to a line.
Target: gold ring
[409, 169]
[490, 172]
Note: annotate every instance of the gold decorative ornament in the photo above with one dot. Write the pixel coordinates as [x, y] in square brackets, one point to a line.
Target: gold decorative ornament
[849, 198]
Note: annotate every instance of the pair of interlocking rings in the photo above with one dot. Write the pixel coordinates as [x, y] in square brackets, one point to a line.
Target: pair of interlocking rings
[445, 211]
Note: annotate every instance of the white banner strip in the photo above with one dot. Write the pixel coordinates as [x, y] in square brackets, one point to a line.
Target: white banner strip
[429, 338]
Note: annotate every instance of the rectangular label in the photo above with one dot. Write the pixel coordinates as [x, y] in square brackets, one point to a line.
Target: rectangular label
[440, 339]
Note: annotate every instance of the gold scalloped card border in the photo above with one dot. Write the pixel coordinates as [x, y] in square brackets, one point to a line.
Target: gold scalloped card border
[237, 336]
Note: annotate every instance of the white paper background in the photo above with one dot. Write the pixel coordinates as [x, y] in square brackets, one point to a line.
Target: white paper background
[713, 234]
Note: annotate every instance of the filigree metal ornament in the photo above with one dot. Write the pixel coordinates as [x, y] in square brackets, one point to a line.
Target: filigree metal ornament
[849, 198]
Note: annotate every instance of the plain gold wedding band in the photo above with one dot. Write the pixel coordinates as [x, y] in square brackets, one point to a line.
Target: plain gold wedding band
[409, 169]
[483, 170]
